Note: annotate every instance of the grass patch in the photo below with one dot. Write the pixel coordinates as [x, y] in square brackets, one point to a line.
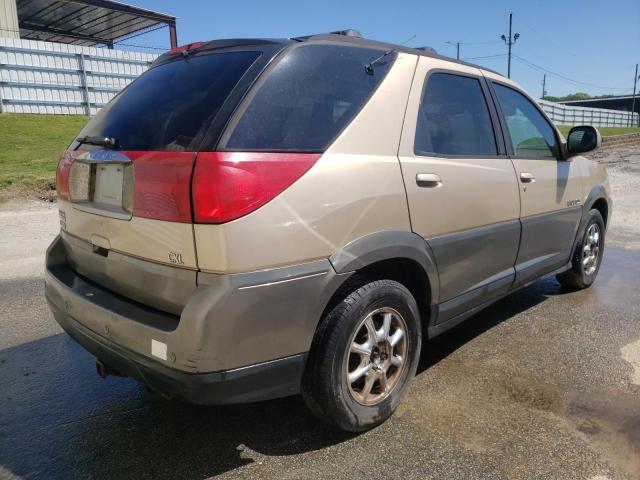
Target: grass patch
[604, 131]
[31, 146]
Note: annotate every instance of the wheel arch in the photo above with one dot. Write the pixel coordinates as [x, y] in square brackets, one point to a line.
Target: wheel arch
[394, 255]
[602, 206]
[599, 200]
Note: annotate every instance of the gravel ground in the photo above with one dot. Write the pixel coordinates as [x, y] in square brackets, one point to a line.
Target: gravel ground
[624, 173]
[543, 384]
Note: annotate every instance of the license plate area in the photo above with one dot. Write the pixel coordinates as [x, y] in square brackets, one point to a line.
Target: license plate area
[109, 180]
[103, 188]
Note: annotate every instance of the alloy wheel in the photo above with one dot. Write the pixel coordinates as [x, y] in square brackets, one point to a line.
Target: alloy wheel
[376, 356]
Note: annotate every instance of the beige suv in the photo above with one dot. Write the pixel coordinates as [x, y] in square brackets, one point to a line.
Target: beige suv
[252, 219]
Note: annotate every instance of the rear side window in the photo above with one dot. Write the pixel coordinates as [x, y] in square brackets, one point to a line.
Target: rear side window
[454, 118]
[531, 134]
[166, 107]
[307, 99]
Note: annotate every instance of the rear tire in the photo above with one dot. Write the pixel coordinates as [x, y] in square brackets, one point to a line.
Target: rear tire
[588, 255]
[363, 357]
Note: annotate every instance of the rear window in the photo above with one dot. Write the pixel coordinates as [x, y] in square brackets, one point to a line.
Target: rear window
[307, 99]
[166, 107]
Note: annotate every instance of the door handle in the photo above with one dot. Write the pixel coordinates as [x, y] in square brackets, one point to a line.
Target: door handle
[527, 177]
[428, 180]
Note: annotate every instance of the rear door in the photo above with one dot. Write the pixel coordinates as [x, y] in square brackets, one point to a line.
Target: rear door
[461, 186]
[550, 188]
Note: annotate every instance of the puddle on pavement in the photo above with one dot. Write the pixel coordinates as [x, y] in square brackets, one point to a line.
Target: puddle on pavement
[631, 354]
[611, 424]
[570, 429]
[609, 421]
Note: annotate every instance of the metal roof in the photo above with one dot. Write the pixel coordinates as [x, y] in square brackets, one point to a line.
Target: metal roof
[88, 22]
[611, 98]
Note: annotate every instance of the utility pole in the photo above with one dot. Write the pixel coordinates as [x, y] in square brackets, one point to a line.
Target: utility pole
[510, 41]
[457, 44]
[544, 86]
[633, 102]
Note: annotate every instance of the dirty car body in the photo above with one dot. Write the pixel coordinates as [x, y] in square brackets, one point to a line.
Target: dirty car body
[227, 201]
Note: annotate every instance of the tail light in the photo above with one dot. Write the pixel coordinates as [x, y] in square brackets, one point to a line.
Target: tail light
[162, 185]
[222, 187]
[228, 185]
[62, 175]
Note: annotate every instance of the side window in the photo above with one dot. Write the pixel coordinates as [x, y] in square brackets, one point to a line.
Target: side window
[531, 134]
[454, 118]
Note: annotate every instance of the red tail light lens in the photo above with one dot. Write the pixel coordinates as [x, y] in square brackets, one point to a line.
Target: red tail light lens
[162, 185]
[228, 185]
[62, 175]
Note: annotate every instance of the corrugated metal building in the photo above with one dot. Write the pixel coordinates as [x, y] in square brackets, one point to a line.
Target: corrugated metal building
[50, 56]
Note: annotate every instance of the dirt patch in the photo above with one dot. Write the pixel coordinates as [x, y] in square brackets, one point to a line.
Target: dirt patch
[44, 190]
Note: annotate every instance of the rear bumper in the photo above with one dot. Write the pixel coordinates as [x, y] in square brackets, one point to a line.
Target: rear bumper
[240, 337]
[273, 379]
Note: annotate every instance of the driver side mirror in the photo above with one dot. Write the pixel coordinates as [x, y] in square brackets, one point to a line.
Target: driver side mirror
[584, 138]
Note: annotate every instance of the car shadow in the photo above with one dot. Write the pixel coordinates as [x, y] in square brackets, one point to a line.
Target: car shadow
[440, 347]
[59, 420]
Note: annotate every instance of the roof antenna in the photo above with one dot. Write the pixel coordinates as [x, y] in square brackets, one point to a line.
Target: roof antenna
[369, 66]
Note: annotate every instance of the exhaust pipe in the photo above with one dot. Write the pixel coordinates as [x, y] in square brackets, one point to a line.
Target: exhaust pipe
[104, 370]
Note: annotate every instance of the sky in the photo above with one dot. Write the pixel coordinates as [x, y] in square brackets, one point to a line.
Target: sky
[583, 45]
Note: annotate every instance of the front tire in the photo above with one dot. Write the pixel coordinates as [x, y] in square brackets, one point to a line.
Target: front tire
[588, 255]
[363, 357]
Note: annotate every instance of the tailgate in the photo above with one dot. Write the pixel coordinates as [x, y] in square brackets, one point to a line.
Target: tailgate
[124, 185]
[107, 236]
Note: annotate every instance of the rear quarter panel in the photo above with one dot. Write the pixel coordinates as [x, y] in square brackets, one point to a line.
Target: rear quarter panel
[354, 189]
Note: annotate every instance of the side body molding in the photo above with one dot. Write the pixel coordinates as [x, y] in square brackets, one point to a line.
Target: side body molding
[387, 245]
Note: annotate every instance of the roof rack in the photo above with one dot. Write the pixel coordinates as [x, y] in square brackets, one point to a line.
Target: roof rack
[428, 49]
[349, 32]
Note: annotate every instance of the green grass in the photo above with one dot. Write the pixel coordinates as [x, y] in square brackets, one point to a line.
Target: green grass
[604, 131]
[30, 146]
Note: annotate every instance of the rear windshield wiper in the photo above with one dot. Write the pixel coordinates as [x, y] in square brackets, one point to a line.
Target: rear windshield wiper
[108, 142]
[369, 66]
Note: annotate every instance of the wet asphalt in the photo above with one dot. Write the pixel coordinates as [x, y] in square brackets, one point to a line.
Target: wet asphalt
[543, 384]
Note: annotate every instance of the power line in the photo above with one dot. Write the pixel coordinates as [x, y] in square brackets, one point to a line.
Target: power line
[474, 43]
[150, 47]
[485, 56]
[457, 44]
[578, 82]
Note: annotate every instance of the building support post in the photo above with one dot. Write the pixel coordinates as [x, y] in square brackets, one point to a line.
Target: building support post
[173, 35]
[633, 102]
[85, 87]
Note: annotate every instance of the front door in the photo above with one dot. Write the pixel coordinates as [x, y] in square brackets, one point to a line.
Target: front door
[461, 186]
[550, 188]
